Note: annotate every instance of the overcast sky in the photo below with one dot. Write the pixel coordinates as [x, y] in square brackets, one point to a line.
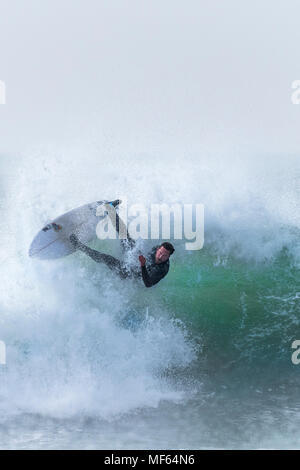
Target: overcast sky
[213, 74]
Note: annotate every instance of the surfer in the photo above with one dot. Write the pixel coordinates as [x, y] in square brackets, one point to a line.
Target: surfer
[153, 267]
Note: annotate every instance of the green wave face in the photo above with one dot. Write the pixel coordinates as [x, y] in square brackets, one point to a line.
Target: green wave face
[245, 314]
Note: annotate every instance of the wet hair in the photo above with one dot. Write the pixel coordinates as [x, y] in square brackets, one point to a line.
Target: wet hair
[168, 246]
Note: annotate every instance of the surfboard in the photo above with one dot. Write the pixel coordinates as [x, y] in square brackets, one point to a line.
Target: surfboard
[52, 241]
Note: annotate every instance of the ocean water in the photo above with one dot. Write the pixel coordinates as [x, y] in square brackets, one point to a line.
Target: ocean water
[202, 360]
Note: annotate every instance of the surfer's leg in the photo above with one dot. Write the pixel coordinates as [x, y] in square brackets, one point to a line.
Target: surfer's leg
[113, 263]
[110, 261]
[127, 243]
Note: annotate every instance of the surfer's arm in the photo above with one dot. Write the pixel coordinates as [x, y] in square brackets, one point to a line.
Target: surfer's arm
[146, 278]
[145, 275]
[153, 278]
[155, 275]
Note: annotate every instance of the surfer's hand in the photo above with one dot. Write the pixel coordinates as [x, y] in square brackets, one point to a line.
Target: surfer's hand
[142, 260]
[74, 240]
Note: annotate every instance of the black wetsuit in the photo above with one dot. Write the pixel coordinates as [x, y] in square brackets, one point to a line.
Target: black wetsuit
[151, 273]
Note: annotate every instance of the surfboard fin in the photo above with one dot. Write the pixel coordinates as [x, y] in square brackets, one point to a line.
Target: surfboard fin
[114, 203]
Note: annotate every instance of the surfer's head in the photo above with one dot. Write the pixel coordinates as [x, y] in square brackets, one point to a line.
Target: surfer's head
[164, 252]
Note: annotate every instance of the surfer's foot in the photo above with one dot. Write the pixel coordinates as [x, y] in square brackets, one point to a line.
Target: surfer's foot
[115, 203]
[74, 240]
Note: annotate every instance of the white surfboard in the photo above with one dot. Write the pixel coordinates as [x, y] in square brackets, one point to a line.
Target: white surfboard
[53, 240]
